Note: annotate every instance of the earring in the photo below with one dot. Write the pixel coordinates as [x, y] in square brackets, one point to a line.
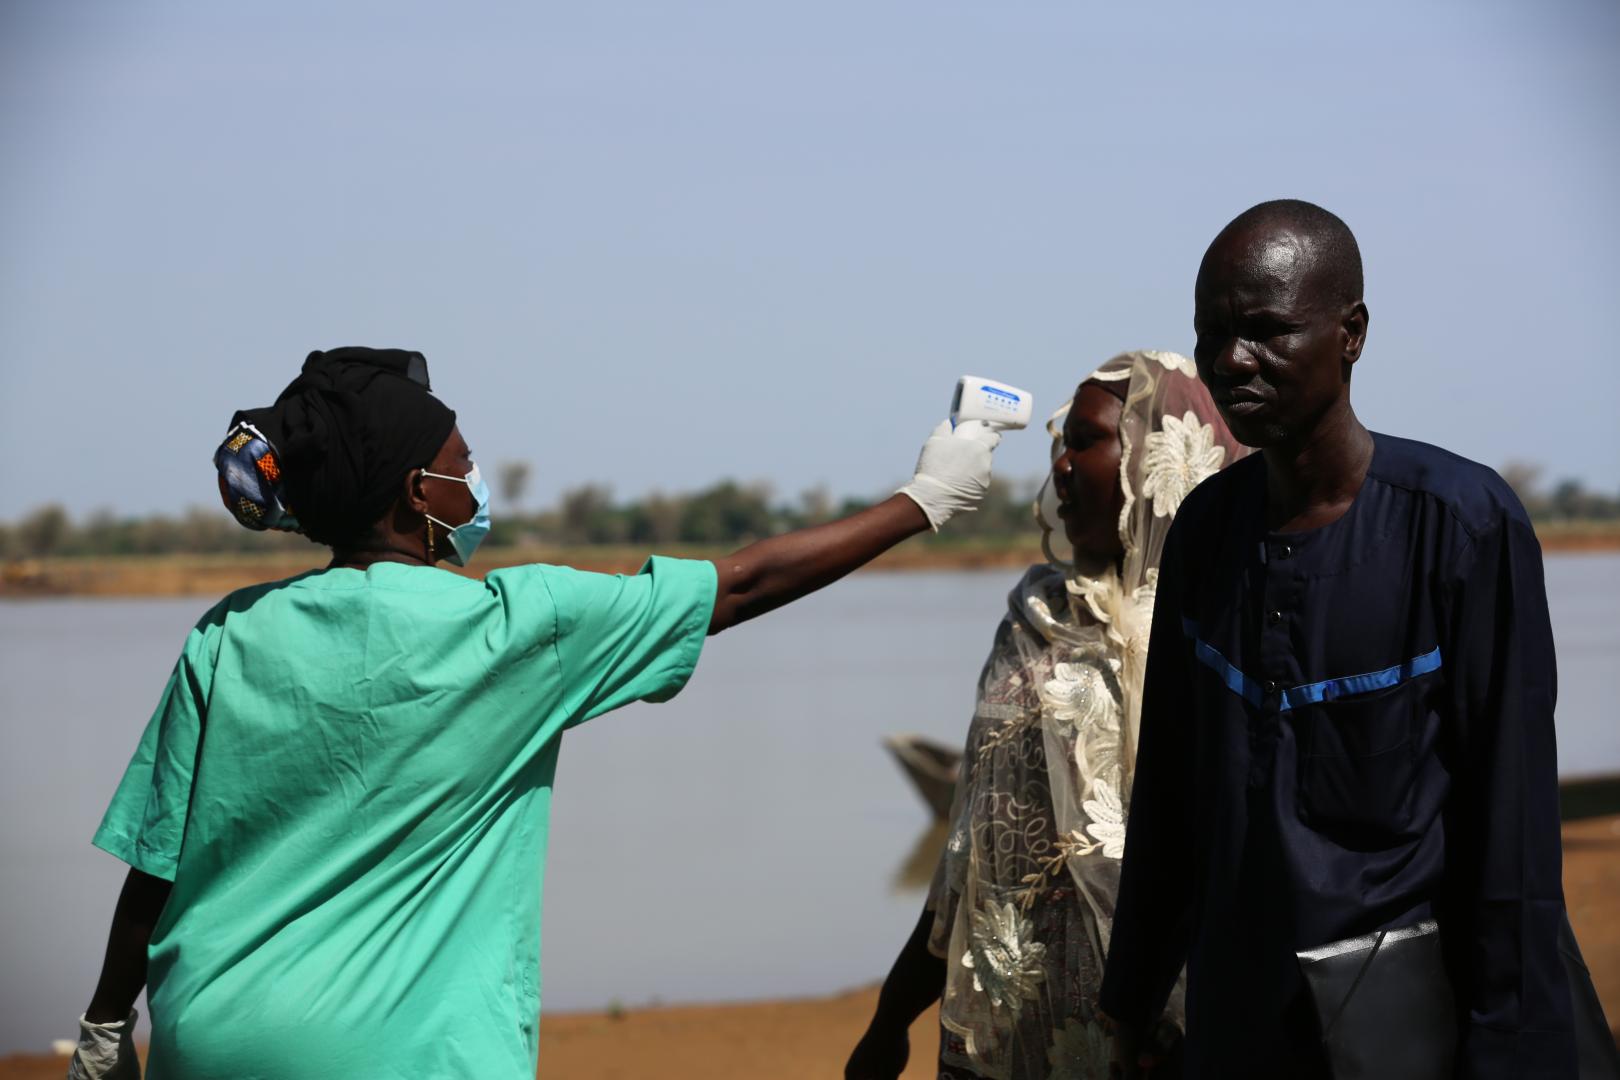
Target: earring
[430, 541]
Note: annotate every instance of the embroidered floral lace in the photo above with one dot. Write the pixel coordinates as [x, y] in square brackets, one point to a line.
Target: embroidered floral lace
[1024, 893]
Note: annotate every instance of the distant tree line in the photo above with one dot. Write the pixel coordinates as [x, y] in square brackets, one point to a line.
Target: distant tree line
[727, 513]
[51, 531]
[1566, 500]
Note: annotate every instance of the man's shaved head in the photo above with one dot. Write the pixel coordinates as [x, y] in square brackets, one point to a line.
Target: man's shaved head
[1280, 322]
[1333, 252]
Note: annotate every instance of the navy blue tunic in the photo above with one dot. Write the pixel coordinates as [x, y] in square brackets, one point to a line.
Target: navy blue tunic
[1345, 730]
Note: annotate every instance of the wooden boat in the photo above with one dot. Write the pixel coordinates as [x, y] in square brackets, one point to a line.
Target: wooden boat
[931, 766]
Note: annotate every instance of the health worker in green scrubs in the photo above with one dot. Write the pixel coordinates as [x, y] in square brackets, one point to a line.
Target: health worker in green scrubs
[336, 819]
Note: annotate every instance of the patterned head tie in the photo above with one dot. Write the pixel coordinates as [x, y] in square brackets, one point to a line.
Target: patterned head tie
[250, 481]
[337, 444]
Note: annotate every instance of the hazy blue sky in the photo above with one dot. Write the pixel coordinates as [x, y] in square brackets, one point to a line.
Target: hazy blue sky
[657, 244]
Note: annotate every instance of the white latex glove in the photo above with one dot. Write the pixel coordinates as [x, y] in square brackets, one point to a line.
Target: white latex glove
[953, 470]
[106, 1051]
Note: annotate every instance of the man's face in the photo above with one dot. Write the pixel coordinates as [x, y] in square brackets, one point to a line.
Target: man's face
[1274, 345]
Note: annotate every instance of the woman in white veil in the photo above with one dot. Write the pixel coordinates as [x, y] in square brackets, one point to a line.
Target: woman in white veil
[1017, 922]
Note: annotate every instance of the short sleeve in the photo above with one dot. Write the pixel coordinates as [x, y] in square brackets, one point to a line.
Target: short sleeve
[630, 638]
[146, 823]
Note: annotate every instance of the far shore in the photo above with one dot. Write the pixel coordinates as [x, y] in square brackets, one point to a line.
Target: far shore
[215, 575]
[809, 1038]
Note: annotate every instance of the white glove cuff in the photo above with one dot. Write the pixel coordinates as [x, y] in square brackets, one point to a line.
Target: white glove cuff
[117, 1027]
[105, 1051]
[927, 493]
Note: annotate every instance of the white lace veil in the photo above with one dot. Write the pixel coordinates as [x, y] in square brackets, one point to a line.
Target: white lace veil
[1039, 817]
[1171, 438]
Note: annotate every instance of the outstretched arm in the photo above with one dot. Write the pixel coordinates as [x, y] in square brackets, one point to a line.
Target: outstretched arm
[953, 473]
[781, 569]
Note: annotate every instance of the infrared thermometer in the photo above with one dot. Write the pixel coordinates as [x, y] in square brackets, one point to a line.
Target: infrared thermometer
[993, 402]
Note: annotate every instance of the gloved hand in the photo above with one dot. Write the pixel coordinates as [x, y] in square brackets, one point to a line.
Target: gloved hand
[953, 471]
[106, 1051]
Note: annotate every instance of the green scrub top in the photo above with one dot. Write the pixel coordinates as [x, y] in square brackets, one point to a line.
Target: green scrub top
[348, 780]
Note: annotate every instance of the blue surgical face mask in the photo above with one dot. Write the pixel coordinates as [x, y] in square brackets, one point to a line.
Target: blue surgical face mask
[465, 538]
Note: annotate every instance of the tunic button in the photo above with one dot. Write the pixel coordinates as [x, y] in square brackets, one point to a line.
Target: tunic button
[1287, 550]
[1274, 618]
[1271, 687]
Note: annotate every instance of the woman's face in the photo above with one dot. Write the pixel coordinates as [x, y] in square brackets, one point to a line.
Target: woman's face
[448, 500]
[1085, 476]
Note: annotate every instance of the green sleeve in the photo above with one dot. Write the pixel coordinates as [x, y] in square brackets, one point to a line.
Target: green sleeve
[630, 638]
[146, 822]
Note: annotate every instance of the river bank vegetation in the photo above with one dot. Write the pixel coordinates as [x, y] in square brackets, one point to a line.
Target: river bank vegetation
[204, 551]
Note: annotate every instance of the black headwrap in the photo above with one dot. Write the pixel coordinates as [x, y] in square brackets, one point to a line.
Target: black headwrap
[342, 437]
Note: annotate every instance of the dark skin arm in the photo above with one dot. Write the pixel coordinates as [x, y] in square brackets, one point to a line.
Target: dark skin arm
[915, 982]
[759, 578]
[765, 575]
[123, 969]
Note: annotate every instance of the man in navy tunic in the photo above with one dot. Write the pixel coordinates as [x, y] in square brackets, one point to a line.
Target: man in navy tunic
[1348, 716]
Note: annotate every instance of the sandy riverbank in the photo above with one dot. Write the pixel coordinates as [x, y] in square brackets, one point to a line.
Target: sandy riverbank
[810, 1038]
[216, 575]
[806, 1039]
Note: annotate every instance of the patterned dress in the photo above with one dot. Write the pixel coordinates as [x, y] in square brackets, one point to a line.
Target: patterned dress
[1024, 894]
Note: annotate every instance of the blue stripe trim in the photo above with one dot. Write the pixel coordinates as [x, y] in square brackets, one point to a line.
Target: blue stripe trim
[1310, 693]
[1237, 682]
[1329, 689]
